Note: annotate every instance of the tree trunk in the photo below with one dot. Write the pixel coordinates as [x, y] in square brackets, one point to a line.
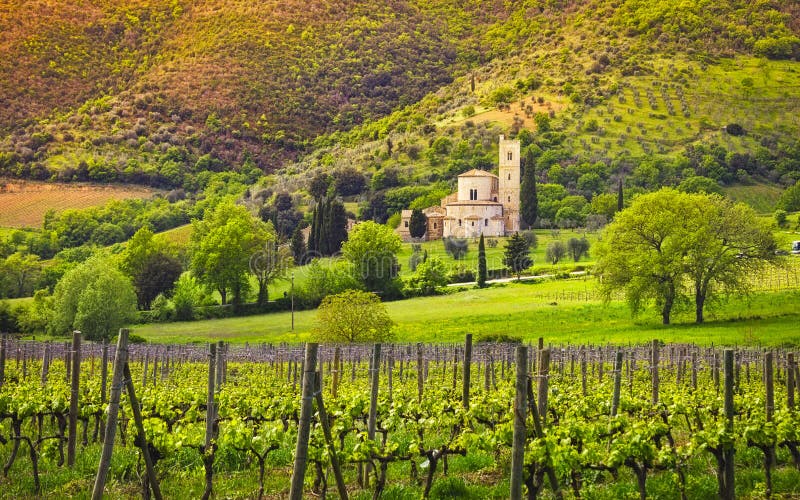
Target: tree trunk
[699, 303]
[669, 301]
[263, 293]
[223, 294]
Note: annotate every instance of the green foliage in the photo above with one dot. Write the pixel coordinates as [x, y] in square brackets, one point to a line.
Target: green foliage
[529, 200]
[353, 316]
[577, 248]
[669, 245]
[517, 255]
[430, 276]
[481, 282]
[18, 275]
[555, 251]
[417, 224]
[780, 217]
[95, 298]
[456, 247]
[700, 184]
[372, 251]
[327, 278]
[790, 199]
[328, 228]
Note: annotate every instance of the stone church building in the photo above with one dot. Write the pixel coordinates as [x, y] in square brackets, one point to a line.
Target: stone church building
[484, 203]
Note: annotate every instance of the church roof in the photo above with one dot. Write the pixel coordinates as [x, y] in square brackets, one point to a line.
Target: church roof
[477, 173]
[465, 203]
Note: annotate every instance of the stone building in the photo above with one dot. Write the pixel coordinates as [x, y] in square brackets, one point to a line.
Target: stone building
[484, 203]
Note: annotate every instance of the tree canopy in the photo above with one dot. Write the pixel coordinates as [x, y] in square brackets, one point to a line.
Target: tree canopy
[372, 250]
[517, 254]
[668, 246]
[353, 316]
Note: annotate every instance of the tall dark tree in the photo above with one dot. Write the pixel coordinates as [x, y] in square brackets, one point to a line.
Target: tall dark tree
[481, 263]
[328, 228]
[517, 255]
[158, 274]
[298, 247]
[620, 198]
[318, 185]
[418, 224]
[529, 200]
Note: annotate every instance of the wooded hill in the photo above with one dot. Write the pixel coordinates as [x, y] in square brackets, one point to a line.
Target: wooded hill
[154, 92]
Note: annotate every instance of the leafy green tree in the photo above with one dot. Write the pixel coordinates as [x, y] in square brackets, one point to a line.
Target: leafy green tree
[555, 251]
[529, 199]
[222, 245]
[324, 280]
[577, 248]
[430, 276]
[481, 263]
[418, 224]
[780, 217]
[18, 274]
[353, 316]
[790, 199]
[372, 250]
[270, 262]
[318, 185]
[669, 245]
[517, 255]
[95, 298]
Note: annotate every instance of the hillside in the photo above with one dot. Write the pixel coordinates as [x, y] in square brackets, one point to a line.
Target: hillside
[153, 92]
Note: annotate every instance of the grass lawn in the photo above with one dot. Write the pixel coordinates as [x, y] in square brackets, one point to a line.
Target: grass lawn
[558, 311]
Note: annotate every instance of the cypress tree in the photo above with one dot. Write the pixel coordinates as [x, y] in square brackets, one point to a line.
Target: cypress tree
[418, 224]
[620, 199]
[529, 200]
[335, 226]
[481, 263]
[517, 255]
[298, 247]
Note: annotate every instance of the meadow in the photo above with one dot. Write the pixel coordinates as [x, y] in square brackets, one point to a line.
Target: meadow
[563, 311]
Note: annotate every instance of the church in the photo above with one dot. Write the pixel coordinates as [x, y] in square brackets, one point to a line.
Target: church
[485, 203]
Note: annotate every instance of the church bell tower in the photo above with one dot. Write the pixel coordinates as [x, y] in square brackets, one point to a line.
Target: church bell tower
[509, 174]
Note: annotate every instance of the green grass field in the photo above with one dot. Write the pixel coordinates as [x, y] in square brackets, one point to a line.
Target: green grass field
[562, 311]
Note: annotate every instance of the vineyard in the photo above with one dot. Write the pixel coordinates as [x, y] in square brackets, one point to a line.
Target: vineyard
[25, 203]
[402, 421]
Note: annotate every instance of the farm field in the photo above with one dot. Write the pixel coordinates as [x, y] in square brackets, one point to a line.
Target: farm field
[438, 433]
[24, 204]
[562, 311]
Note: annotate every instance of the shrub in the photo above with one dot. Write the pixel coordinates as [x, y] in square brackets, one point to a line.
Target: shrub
[430, 276]
[353, 316]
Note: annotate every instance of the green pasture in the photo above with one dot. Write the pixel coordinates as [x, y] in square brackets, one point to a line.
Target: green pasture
[562, 311]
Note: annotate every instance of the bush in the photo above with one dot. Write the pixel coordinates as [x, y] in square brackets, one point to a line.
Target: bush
[353, 316]
[734, 129]
[430, 276]
[780, 217]
[530, 237]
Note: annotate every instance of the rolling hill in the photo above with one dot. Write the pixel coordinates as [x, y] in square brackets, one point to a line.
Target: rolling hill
[153, 92]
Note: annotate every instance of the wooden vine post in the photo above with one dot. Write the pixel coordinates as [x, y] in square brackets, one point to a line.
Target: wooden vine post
[520, 433]
[543, 381]
[790, 382]
[372, 419]
[420, 374]
[654, 359]
[211, 414]
[467, 364]
[3, 348]
[617, 383]
[137, 418]
[75, 381]
[304, 426]
[326, 430]
[728, 450]
[120, 358]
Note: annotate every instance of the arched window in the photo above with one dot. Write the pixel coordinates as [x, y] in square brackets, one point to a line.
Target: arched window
[485, 222]
[459, 222]
[509, 176]
[434, 225]
[509, 199]
[510, 156]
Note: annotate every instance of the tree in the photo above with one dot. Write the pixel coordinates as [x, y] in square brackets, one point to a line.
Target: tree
[298, 247]
[353, 316]
[481, 263]
[555, 251]
[158, 275]
[418, 224]
[790, 199]
[318, 185]
[699, 184]
[372, 249]
[222, 245]
[348, 181]
[529, 200]
[620, 196]
[18, 273]
[669, 245]
[726, 244]
[328, 227]
[95, 298]
[430, 276]
[517, 255]
[577, 248]
[270, 262]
